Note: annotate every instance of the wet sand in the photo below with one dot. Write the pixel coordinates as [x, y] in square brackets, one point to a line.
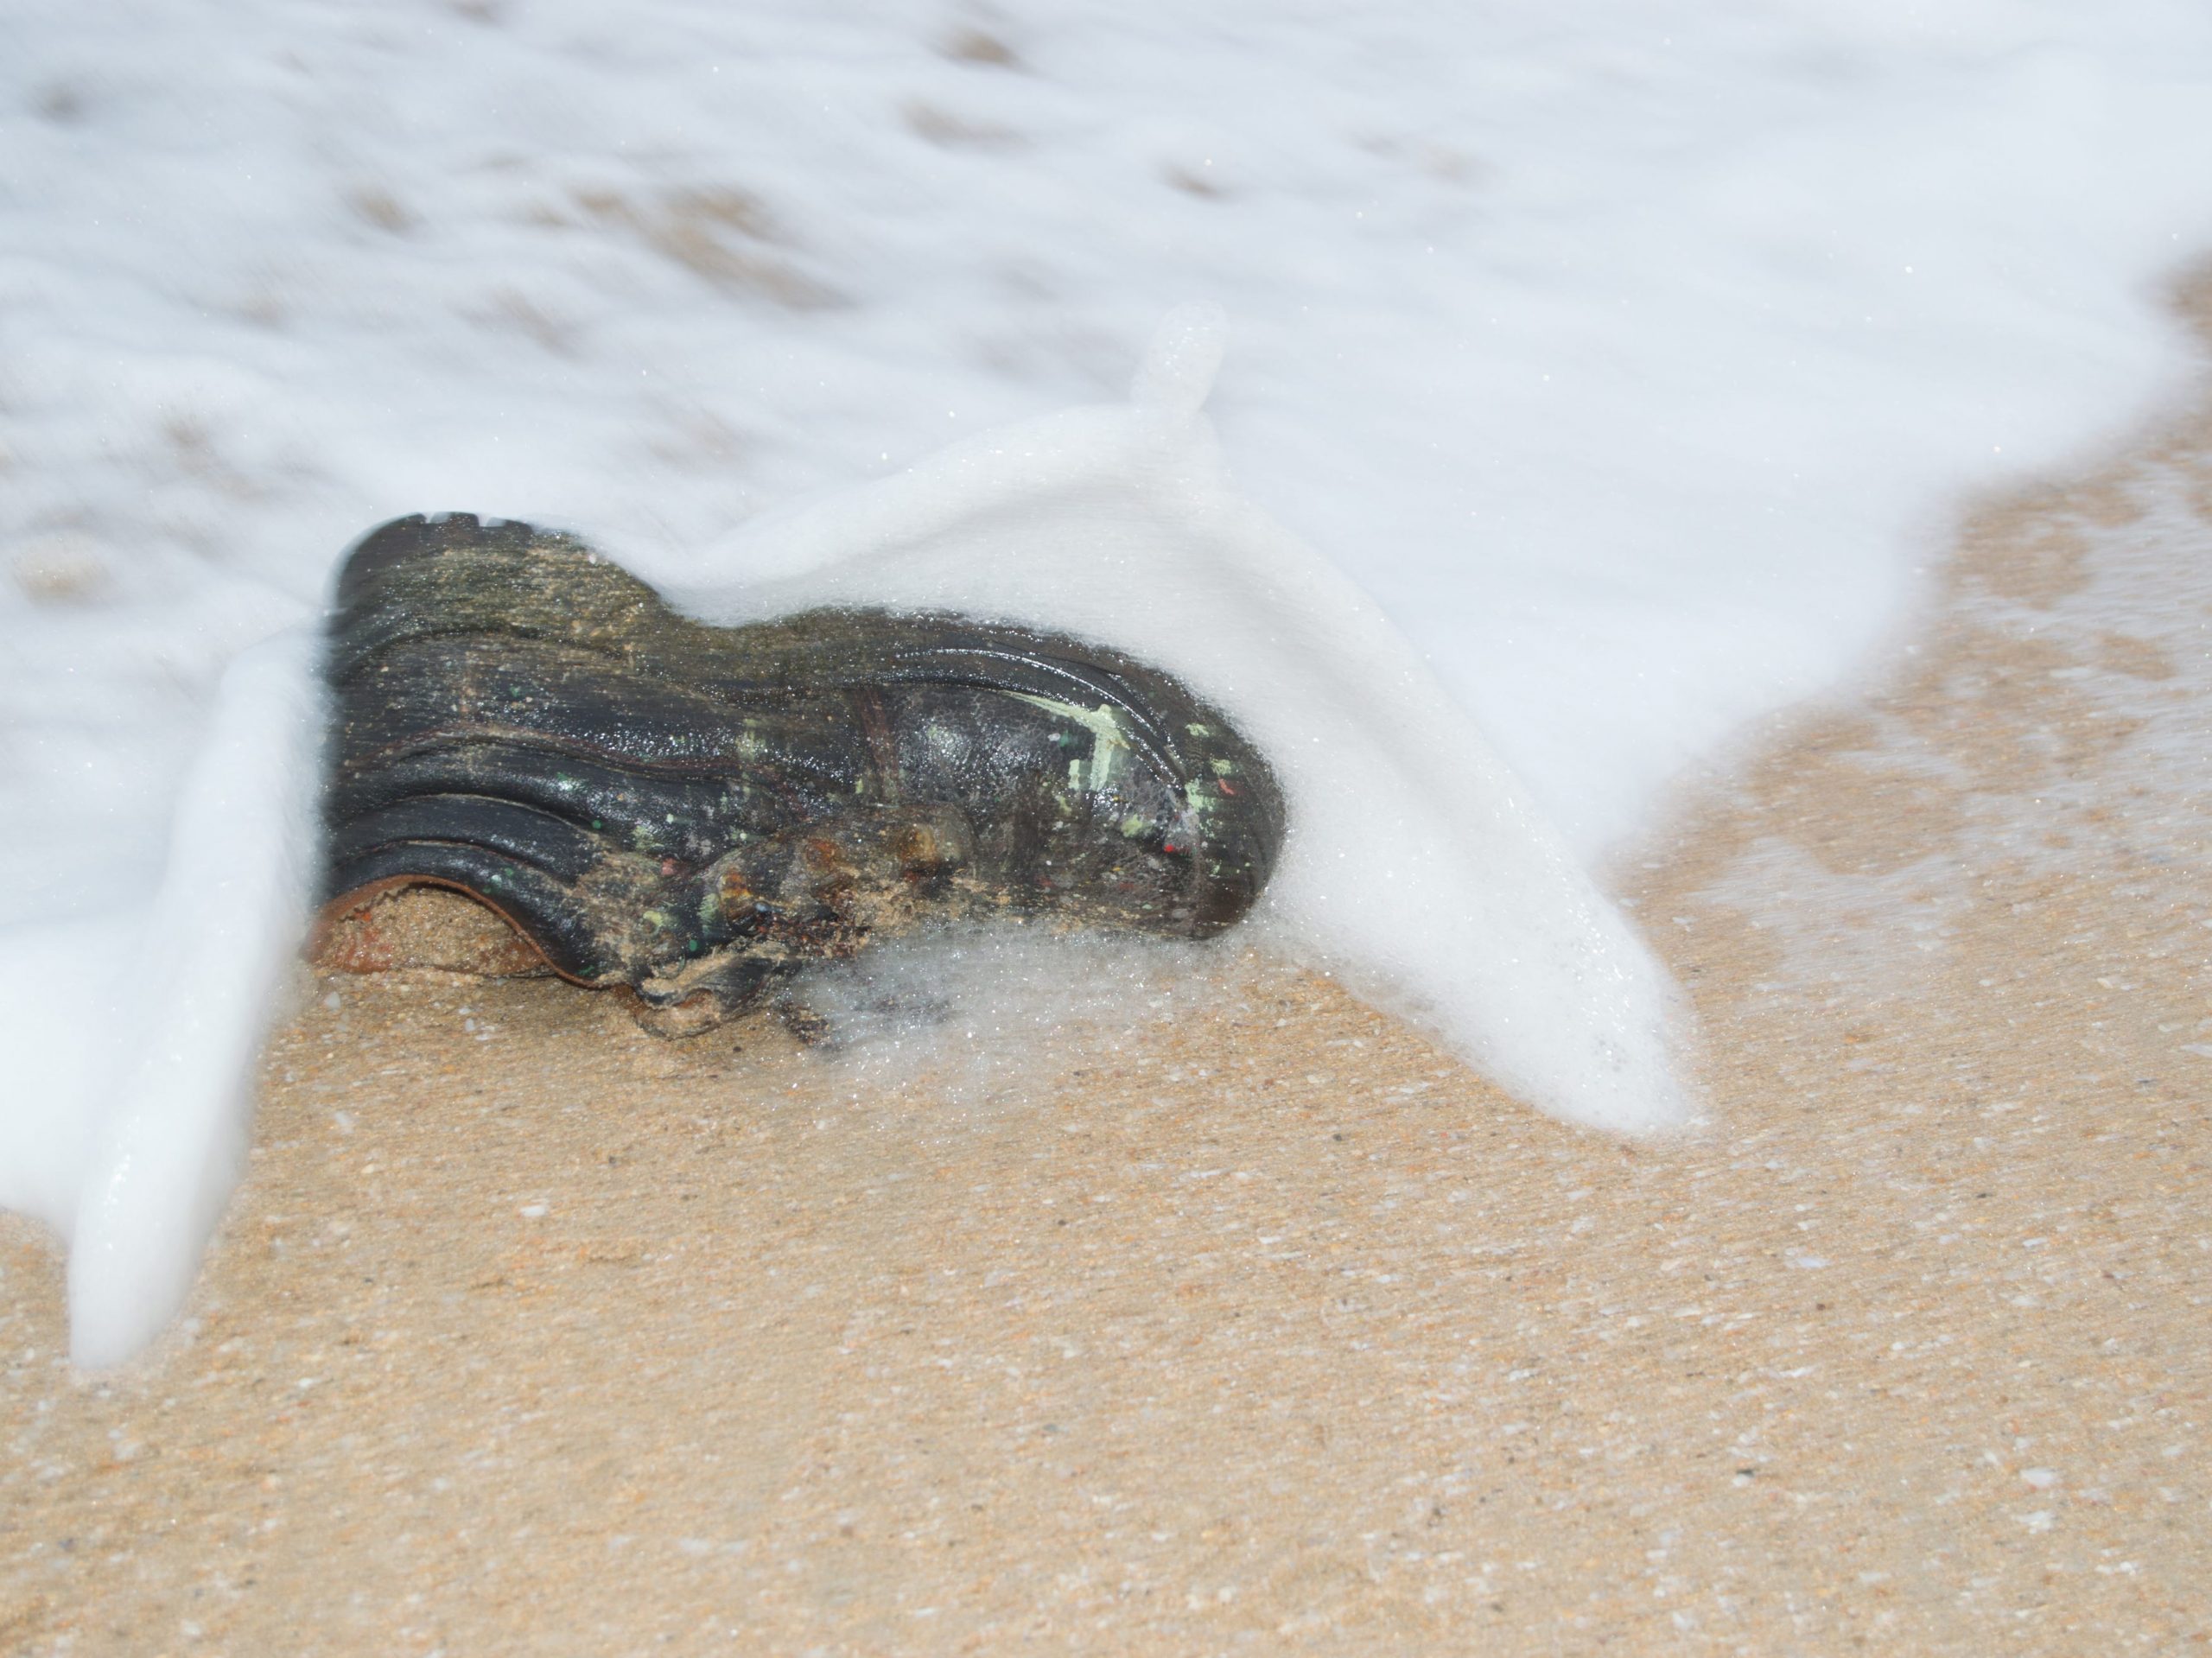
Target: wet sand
[1265, 1326]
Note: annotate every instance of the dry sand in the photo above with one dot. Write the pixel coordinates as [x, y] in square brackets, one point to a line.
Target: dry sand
[1265, 1327]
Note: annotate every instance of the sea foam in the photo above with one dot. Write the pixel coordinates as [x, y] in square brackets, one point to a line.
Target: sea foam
[132, 1034]
[1417, 867]
[1632, 359]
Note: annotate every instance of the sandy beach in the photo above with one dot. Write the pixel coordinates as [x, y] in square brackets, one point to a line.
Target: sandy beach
[1263, 1325]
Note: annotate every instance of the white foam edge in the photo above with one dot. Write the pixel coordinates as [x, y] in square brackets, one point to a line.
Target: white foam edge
[169, 1120]
[1417, 869]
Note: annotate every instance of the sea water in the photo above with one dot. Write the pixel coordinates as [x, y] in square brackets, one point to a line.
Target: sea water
[1597, 379]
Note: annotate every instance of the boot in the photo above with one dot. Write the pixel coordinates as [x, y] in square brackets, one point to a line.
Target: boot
[695, 812]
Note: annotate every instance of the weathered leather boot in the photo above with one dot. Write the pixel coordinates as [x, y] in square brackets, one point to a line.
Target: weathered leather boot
[695, 811]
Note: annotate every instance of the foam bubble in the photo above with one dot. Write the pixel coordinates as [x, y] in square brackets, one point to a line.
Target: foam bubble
[1179, 369]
